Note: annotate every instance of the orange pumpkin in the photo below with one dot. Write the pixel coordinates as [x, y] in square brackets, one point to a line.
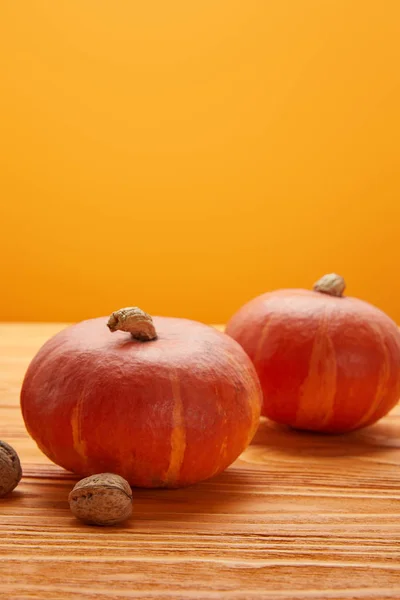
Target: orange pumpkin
[326, 362]
[163, 404]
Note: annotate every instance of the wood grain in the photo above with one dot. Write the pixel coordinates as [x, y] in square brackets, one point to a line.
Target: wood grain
[299, 516]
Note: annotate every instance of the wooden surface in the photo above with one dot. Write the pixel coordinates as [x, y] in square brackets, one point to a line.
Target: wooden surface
[299, 516]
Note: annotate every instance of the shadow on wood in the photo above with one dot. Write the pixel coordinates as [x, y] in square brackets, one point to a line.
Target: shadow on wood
[371, 440]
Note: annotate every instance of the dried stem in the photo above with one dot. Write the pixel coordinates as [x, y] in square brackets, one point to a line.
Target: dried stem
[331, 284]
[134, 321]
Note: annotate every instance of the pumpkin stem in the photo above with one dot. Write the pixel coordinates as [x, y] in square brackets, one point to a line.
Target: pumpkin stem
[331, 284]
[135, 321]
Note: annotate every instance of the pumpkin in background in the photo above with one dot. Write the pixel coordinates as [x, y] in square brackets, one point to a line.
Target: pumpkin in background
[163, 403]
[326, 362]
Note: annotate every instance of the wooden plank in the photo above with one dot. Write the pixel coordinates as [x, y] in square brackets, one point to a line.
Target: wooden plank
[299, 516]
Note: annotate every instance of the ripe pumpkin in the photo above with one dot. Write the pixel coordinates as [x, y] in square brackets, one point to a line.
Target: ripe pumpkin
[326, 362]
[163, 403]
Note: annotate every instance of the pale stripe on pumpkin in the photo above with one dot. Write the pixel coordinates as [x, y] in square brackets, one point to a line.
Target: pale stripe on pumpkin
[178, 434]
[382, 385]
[222, 456]
[255, 397]
[260, 344]
[76, 427]
[317, 393]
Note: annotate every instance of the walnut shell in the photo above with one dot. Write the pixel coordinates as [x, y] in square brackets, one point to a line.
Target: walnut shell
[10, 469]
[103, 499]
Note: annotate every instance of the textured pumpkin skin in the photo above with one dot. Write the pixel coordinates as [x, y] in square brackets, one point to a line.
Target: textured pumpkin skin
[164, 413]
[325, 363]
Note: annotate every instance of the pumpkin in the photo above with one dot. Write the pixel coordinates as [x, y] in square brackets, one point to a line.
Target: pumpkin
[326, 362]
[163, 403]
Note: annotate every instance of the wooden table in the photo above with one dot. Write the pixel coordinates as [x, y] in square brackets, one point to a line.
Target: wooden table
[298, 516]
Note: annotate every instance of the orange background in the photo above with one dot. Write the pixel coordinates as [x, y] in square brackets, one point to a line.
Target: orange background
[186, 156]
